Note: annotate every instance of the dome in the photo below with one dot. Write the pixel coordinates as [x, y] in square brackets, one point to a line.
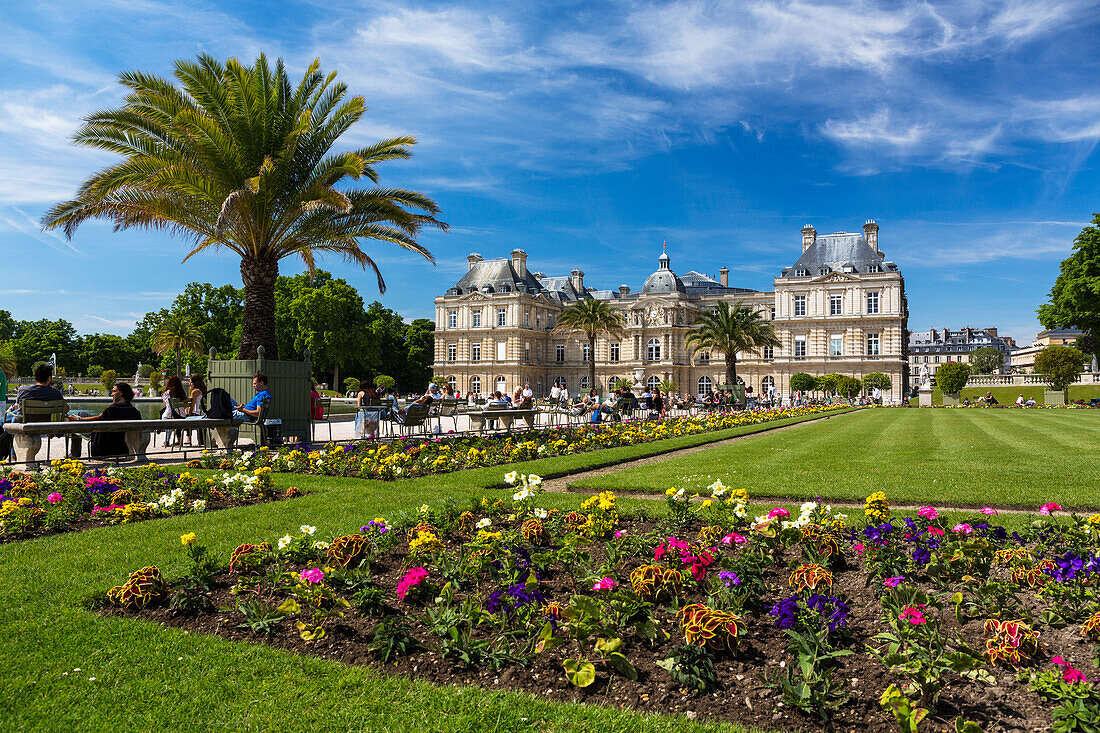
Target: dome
[664, 280]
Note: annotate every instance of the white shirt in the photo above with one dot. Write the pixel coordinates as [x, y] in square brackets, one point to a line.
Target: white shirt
[555, 392]
[564, 394]
[528, 393]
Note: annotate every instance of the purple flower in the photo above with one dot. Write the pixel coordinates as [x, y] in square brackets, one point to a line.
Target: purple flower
[729, 578]
[786, 612]
[894, 582]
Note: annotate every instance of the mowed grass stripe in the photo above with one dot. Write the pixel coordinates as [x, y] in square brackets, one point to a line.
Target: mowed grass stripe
[1005, 457]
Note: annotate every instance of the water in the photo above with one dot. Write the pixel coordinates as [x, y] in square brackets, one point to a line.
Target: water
[149, 407]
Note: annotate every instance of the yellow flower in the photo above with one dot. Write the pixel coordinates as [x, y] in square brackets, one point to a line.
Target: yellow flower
[424, 508]
[707, 502]
[1094, 519]
[670, 492]
[188, 539]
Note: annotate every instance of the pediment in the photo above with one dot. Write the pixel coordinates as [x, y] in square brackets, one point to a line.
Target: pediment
[476, 295]
[835, 277]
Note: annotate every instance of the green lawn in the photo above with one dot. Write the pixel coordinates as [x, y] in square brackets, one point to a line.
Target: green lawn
[1008, 395]
[1003, 457]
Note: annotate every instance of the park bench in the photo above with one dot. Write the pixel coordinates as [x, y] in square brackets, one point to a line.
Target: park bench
[27, 437]
[415, 417]
[478, 420]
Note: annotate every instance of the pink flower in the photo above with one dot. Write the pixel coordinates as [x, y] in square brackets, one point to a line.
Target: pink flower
[1072, 675]
[894, 582]
[928, 512]
[963, 527]
[619, 533]
[778, 512]
[732, 538]
[412, 579]
[936, 531]
[913, 614]
[314, 575]
[604, 584]
[858, 548]
[988, 511]
[659, 552]
[1059, 661]
[54, 498]
[1049, 507]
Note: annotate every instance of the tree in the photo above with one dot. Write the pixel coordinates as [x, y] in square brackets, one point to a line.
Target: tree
[7, 325]
[94, 371]
[419, 351]
[802, 382]
[668, 387]
[877, 379]
[108, 378]
[986, 360]
[35, 341]
[1061, 364]
[7, 359]
[235, 157]
[1075, 297]
[590, 317]
[622, 383]
[351, 384]
[331, 323]
[383, 381]
[216, 311]
[730, 330]
[177, 333]
[848, 386]
[951, 377]
[828, 383]
[108, 351]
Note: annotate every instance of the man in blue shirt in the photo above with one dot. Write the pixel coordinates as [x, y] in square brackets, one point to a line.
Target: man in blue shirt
[251, 412]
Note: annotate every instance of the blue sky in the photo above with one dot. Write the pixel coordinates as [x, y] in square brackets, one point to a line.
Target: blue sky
[588, 133]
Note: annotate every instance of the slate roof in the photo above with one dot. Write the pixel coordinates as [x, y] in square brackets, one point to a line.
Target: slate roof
[495, 274]
[835, 251]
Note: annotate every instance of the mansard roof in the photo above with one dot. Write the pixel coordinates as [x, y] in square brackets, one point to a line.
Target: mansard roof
[843, 252]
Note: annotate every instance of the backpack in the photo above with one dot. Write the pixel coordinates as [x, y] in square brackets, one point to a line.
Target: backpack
[221, 406]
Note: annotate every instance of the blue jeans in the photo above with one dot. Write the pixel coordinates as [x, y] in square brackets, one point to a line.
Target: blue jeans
[241, 417]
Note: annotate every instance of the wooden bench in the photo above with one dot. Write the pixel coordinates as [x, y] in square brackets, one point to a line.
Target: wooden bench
[478, 420]
[27, 437]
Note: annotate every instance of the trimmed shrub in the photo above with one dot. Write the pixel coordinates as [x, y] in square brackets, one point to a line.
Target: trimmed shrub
[951, 377]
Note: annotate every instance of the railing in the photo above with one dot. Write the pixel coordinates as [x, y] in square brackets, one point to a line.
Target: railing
[1021, 380]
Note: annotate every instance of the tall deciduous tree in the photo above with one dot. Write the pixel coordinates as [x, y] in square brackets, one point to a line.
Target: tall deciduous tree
[1075, 297]
[730, 330]
[1061, 364]
[331, 323]
[986, 360]
[589, 318]
[236, 157]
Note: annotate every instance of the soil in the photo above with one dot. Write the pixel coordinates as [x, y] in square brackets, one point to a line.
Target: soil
[744, 696]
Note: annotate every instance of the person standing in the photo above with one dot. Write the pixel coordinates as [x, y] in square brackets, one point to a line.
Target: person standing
[555, 392]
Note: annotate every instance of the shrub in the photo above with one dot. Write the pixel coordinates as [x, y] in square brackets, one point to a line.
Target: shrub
[145, 371]
[848, 386]
[951, 377]
[878, 379]
[383, 381]
[1061, 364]
[351, 384]
[108, 378]
[802, 382]
[94, 371]
[828, 382]
[154, 381]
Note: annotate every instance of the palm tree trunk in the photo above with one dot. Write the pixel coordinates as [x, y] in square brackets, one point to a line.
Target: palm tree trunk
[731, 369]
[258, 319]
[177, 358]
[592, 362]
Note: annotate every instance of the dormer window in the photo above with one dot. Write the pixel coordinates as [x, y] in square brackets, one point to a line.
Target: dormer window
[505, 288]
[824, 271]
[849, 269]
[875, 267]
[801, 272]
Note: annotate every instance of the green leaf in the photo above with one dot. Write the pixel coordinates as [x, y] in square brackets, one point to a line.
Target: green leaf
[289, 607]
[622, 665]
[581, 674]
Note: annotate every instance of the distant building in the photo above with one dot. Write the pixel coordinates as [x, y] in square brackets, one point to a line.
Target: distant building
[940, 346]
[840, 308]
[1023, 359]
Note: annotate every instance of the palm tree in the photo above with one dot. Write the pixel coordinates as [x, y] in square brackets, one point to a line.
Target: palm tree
[730, 330]
[234, 157]
[591, 317]
[176, 333]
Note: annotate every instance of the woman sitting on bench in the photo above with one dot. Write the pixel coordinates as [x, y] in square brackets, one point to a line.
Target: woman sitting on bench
[113, 444]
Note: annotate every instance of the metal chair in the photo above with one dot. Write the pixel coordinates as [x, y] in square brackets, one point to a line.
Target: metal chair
[325, 405]
[448, 408]
[43, 411]
[257, 427]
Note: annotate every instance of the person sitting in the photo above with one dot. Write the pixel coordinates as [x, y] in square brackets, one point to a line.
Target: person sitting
[990, 399]
[497, 401]
[432, 394]
[528, 395]
[316, 412]
[40, 390]
[121, 408]
[250, 412]
[1030, 402]
[1020, 401]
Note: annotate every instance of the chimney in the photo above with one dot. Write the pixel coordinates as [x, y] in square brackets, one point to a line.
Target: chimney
[724, 277]
[519, 263]
[623, 290]
[473, 259]
[809, 236]
[577, 278]
[992, 331]
[870, 233]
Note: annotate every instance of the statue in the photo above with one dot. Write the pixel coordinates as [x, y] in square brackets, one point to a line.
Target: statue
[925, 377]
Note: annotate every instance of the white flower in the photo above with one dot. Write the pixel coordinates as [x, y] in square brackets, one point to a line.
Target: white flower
[484, 523]
[285, 541]
[534, 481]
[809, 507]
[541, 513]
[679, 494]
[319, 545]
[522, 494]
[306, 529]
[198, 505]
[510, 477]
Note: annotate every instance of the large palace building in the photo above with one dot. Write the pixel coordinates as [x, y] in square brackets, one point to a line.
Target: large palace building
[840, 308]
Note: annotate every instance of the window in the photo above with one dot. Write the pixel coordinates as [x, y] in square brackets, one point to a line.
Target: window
[539, 392]
[800, 305]
[872, 344]
[584, 383]
[452, 319]
[560, 381]
[452, 383]
[872, 302]
[801, 272]
[559, 352]
[702, 358]
[875, 267]
[653, 350]
[502, 350]
[502, 385]
[475, 385]
[772, 311]
[767, 384]
[836, 305]
[452, 352]
[824, 271]
[586, 352]
[527, 352]
[475, 353]
[799, 346]
[704, 386]
[769, 352]
[527, 318]
[614, 352]
[836, 346]
[538, 352]
[476, 316]
[502, 316]
[935, 359]
[653, 383]
[538, 319]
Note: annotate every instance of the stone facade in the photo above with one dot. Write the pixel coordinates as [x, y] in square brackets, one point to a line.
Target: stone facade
[841, 308]
[939, 346]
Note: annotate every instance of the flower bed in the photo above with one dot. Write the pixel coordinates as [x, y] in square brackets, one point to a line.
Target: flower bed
[67, 496]
[422, 456]
[775, 621]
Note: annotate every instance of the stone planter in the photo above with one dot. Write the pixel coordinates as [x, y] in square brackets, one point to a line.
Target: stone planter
[950, 400]
[1054, 397]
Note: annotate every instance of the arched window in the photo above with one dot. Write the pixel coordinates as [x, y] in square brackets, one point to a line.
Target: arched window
[502, 385]
[584, 384]
[766, 385]
[611, 384]
[704, 386]
[653, 350]
[560, 381]
[653, 383]
[475, 385]
[452, 383]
